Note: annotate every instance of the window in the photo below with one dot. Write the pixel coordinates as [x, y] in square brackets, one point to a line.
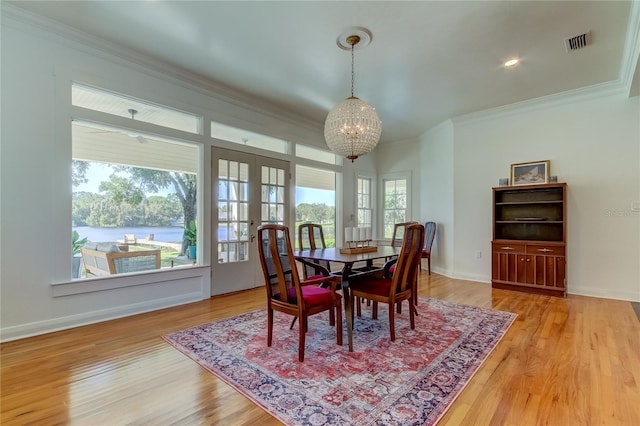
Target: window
[363, 194]
[247, 138]
[124, 106]
[316, 200]
[316, 154]
[395, 203]
[132, 193]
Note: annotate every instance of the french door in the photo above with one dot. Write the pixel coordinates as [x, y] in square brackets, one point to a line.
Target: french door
[248, 190]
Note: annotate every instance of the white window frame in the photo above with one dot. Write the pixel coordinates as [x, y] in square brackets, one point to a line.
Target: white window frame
[383, 179]
[372, 199]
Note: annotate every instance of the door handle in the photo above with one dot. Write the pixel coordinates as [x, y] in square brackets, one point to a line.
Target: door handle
[253, 237]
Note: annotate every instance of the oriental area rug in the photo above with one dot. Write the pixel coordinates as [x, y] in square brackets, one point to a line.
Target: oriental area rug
[412, 380]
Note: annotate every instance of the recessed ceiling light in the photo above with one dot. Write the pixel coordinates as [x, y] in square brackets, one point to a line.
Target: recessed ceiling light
[511, 62]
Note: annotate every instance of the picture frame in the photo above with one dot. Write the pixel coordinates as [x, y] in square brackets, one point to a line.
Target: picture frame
[532, 173]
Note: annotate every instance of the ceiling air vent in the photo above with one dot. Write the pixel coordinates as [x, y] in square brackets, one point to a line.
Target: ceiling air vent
[577, 42]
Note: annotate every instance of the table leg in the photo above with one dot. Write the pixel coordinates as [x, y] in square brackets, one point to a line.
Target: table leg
[348, 306]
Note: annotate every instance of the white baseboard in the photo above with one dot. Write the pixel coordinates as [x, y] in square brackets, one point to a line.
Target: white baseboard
[459, 276]
[586, 291]
[41, 327]
[604, 293]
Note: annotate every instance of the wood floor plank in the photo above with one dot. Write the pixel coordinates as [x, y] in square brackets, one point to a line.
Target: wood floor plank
[564, 361]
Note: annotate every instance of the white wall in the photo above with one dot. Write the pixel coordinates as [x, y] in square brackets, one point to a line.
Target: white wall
[399, 158]
[35, 176]
[435, 183]
[594, 146]
[593, 142]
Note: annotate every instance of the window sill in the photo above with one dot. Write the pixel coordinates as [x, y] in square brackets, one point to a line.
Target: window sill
[90, 285]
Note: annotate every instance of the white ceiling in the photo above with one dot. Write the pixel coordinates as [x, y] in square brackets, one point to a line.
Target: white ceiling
[428, 61]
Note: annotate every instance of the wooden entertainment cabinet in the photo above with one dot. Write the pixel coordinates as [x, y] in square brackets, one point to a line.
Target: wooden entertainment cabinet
[529, 238]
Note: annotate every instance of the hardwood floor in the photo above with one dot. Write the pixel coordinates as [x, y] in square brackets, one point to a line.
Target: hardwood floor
[563, 362]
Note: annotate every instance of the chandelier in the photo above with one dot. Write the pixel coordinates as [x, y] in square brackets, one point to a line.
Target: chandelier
[352, 127]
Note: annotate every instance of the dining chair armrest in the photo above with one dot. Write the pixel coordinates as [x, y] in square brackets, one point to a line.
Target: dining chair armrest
[387, 267]
[318, 269]
[334, 280]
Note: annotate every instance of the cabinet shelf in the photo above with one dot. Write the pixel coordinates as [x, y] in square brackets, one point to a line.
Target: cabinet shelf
[529, 239]
[525, 222]
[507, 203]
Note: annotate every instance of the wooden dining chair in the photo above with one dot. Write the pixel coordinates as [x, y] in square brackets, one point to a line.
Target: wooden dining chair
[287, 293]
[311, 237]
[429, 236]
[396, 240]
[395, 288]
[398, 233]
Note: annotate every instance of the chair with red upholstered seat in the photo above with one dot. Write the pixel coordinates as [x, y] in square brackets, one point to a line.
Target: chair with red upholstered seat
[429, 236]
[287, 293]
[311, 237]
[396, 241]
[398, 287]
[398, 233]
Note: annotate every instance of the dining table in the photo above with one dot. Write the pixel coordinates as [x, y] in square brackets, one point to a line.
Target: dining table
[348, 260]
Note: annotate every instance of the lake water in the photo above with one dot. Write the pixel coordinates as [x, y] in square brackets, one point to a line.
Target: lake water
[170, 234]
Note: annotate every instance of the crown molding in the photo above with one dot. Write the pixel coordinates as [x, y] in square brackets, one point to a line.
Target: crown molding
[621, 87]
[632, 47]
[601, 90]
[15, 17]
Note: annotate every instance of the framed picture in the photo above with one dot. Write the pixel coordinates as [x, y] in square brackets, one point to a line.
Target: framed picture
[534, 173]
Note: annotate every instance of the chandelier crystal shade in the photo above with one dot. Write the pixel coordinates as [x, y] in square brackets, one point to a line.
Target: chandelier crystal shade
[352, 127]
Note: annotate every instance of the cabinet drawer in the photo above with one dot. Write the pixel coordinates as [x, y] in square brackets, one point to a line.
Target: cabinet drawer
[545, 250]
[508, 248]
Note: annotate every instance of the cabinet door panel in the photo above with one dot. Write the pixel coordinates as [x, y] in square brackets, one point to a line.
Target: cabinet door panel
[541, 268]
[522, 273]
[505, 267]
[560, 271]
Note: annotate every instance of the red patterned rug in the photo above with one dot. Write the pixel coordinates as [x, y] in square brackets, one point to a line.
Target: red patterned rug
[410, 381]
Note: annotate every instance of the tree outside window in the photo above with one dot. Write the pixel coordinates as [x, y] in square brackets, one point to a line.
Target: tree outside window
[395, 204]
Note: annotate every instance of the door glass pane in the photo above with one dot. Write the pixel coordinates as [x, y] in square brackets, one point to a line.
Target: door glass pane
[222, 211]
[273, 195]
[233, 170]
[244, 172]
[223, 167]
[243, 192]
[243, 211]
[233, 216]
[233, 212]
[233, 193]
[222, 190]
